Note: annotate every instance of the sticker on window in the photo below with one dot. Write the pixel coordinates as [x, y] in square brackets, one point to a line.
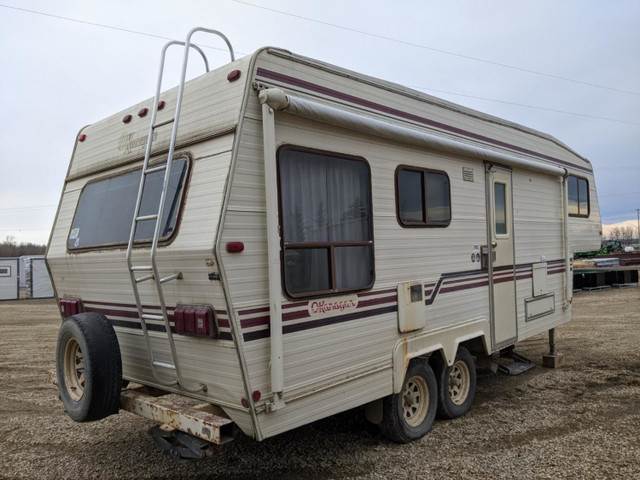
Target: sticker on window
[74, 234]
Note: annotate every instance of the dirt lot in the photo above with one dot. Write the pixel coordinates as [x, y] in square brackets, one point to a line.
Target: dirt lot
[580, 421]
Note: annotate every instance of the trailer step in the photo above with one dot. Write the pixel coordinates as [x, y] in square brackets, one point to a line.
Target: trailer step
[518, 366]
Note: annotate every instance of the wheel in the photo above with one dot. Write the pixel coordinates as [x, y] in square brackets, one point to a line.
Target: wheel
[456, 384]
[409, 415]
[88, 367]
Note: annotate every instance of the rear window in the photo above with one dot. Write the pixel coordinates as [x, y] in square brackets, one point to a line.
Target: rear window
[105, 209]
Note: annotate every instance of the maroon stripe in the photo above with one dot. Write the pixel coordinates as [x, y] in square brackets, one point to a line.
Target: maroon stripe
[378, 301]
[223, 322]
[402, 114]
[377, 292]
[295, 315]
[254, 322]
[339, 319]
[123, 305]
[120, 313]
[464, 279]
[467, 286]
[294, 305]
[253, 310]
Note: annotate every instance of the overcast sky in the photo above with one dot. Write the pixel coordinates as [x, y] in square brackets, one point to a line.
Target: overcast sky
[59, 75]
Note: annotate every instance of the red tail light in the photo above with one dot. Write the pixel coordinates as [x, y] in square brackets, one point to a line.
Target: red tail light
[70, 306]
[195, 320]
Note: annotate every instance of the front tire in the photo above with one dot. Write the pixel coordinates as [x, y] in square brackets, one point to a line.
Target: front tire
[409, 414]
[88, 367]
[456, 384]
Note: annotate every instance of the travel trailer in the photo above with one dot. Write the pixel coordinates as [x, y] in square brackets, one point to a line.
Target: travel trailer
[280, 240]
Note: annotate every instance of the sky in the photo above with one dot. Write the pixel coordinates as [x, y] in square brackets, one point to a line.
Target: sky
[568, 68]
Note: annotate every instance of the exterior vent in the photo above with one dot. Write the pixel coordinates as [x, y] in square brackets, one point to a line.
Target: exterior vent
[467, 174]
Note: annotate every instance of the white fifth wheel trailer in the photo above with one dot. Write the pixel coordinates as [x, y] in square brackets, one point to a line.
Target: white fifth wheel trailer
[281, 240]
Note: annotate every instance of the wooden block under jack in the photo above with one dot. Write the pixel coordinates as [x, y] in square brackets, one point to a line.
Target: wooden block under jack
[553, 360]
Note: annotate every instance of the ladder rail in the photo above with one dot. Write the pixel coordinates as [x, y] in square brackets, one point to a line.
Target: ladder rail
[158, 217]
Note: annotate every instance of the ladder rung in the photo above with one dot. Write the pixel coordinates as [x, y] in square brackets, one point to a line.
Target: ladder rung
[141, 268]
[142, 218]
[144, 278]
[168, 366]
[170, 277]
[162, 124]
[159, 168]
[152, 316]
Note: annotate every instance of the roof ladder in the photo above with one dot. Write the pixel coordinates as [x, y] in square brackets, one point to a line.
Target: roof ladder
[150, 271]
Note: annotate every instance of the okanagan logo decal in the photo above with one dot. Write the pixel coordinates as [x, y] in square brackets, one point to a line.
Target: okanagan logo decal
[333, 306]
[129, 142]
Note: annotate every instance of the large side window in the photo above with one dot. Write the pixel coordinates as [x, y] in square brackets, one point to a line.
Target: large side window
[423, 197]
[105, 209]
[578, 197]
[327, 230]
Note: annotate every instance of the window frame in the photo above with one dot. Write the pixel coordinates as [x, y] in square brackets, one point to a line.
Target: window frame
[425, 204]
[330, 246]
[162, 241]
[579, 215]
[8, 271]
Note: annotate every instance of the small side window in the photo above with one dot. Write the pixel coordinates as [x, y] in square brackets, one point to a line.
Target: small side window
[5, 271]
[423, 197]
[578, 197]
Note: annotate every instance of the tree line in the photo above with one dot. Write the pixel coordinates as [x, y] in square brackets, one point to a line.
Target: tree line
[10, 248]
[626, 235]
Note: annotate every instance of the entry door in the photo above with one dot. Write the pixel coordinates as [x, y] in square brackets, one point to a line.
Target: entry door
[501, 251]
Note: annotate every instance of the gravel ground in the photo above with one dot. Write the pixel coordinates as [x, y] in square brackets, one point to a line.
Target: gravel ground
[580, 421]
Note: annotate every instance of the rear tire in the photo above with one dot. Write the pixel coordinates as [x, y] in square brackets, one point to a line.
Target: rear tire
[456, 384]
[88, 367]
[409, 415]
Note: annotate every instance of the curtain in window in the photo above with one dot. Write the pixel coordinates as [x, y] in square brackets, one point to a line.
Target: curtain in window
[325, 203]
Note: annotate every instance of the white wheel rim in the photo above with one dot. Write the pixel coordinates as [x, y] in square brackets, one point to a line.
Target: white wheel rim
[73, 369]
[415, 401]
[459, 380]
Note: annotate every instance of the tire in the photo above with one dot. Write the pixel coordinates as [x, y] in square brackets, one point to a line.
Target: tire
[409, 415]
[88, 367]
[456, 384]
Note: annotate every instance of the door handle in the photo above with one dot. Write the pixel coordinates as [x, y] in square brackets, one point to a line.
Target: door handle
[494, 244]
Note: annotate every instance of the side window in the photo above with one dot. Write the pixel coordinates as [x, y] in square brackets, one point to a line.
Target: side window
[500, 208]
[105, 208]
[578, 197]
[326, 221]
[423, 197]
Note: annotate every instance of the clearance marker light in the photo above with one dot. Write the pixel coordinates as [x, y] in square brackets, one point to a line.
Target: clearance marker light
[234, 75]
[143, 112]
[161, 104]
[235, 247]
[82, 138]
[126, 118]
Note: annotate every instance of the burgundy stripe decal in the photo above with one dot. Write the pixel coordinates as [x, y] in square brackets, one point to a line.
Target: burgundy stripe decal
[409, 116]
[254, 322]
[378, 292]
[123, 305]
[339, 319]
[467, 286]
[253, 310]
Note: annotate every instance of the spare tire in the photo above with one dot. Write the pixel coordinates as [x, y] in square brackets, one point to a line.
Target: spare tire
[88, 367]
